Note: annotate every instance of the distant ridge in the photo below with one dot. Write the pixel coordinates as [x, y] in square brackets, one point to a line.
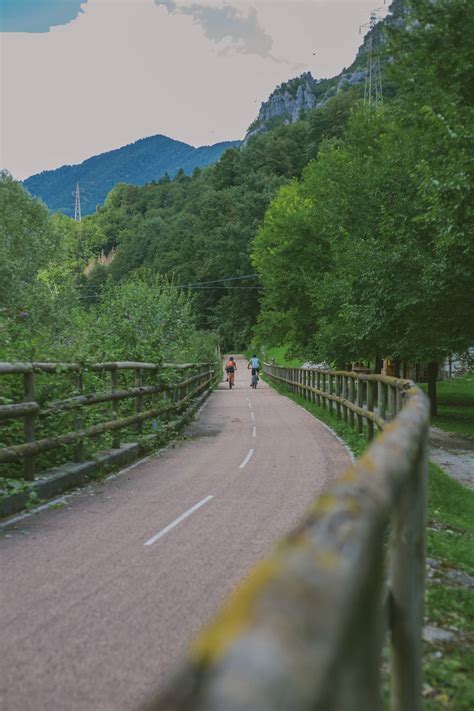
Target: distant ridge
[137, 163]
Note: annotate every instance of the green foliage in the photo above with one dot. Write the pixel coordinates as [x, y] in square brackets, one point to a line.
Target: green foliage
[145, 318]
[371, 251]
[280, 356]
[46, 313]
[37, 293]
[200, 229]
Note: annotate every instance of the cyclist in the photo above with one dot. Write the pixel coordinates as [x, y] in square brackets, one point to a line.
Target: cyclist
[254, 363]
[230, 368]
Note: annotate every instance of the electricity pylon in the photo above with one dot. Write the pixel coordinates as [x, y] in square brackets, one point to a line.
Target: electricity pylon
[77, 205]
[373, 92]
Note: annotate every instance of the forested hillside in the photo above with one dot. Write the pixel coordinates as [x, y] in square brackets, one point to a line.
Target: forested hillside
[357, 222]
[138, 163]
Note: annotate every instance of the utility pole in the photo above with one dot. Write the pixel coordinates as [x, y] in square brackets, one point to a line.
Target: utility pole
[77, 205]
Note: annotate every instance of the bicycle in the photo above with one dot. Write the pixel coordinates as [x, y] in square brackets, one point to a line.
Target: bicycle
[255, 379]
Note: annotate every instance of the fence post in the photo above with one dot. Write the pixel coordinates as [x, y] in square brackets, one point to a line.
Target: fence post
[360, 403]
[351, 398]
[392, 408]
[139, 398]
[29, 424]
[382, 399]
[370, 407]
[115, 408]
[407, 582]
[338, 393]
[344, 395]
[330, 391]
[324, 388]
[78, 419]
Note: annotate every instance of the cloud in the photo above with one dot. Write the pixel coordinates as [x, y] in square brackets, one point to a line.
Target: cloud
[244, 32]
[37, 15]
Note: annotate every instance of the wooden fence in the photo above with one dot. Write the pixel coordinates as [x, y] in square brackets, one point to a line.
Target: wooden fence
[308, 629]
[168, 390]
[362, 400]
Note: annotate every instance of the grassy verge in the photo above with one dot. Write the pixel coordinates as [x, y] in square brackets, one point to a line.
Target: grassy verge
[449, 603]
[456, 406]
[357, 443]
[278, 355]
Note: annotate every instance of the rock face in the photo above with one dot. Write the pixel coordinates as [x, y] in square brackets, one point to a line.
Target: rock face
[303, 93]
[288, 101]
[285, 101]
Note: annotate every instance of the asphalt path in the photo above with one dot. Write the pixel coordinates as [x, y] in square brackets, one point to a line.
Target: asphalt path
[100, 597]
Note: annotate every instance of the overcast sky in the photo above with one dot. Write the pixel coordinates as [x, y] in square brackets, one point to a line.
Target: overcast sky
[80, 78]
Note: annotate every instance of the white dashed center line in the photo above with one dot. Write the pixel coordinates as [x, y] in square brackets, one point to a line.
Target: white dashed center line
[247, 459]
[177, 521]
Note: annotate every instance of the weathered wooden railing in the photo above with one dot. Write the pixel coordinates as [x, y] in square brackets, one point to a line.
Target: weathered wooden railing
[307, 629]
[169, 390]
[360, 399]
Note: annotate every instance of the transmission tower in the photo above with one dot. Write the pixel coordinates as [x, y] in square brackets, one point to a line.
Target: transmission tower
[77, 205]
[373, 92]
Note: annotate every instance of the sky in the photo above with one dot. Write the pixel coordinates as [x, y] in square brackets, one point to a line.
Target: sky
[80, 77]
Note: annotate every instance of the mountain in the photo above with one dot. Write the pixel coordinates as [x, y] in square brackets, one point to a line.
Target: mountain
[288, 102]
[137, 163]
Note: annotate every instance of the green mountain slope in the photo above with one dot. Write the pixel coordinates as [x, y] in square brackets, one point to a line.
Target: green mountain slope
[137, 163]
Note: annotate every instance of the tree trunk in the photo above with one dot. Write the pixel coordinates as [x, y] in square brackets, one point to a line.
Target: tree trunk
[378, 364]
[396, 367]
[432, 391]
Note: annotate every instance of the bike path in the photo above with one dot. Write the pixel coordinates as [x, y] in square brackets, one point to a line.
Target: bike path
[101, 596]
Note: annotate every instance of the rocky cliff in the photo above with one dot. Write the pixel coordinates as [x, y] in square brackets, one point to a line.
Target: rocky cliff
[290, 100]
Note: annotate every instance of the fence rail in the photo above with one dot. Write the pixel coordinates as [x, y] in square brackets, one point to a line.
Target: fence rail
[307, 629]
[357, 398]
[169, 393]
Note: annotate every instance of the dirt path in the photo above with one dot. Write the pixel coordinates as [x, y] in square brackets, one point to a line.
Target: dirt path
[100, 597]
[454, 454]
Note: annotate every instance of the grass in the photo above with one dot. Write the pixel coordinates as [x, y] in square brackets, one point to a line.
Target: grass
[450, 541]
[448, 668]
[278, 353]
[456, 406]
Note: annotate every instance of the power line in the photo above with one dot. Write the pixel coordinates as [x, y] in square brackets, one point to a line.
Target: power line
[217, 281]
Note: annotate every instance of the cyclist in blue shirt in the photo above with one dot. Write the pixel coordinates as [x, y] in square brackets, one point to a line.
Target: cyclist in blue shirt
[254, 363]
